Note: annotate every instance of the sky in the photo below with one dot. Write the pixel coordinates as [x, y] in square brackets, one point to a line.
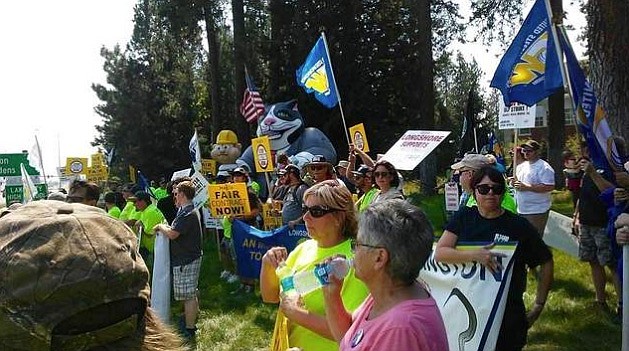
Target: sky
[51, 56]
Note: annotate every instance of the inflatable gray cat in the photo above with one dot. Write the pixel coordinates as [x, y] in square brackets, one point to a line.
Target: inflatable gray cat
[284, 126]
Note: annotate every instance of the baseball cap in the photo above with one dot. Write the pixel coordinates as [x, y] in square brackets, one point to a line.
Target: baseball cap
[319, 160]
[343, 164]
[474, 161]
[531, 144]
[362, 170]
[143, 196]
[240, 170]
[70, 276]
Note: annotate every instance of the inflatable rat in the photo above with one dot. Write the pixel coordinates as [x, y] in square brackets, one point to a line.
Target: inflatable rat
[284, 126]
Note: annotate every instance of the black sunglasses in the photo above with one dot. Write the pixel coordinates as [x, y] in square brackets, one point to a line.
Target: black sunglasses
[354, 244]
[496, 189]
[318, 211]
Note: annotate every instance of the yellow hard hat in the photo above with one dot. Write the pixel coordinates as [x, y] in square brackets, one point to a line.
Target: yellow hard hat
[226, 137]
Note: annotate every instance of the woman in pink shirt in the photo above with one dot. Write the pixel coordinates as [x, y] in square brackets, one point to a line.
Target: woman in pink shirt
[394, 241]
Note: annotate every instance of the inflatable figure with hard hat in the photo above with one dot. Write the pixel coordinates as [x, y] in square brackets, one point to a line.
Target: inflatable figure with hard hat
[226, 150]
[284, 126]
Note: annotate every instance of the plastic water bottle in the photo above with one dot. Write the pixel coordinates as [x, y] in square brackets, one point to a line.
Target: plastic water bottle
[306, 281]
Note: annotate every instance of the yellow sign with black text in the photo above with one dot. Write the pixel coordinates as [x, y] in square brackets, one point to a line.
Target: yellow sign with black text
[76, 165]
[228, 199]
[208, 166]
[261, 148]
[359, 137]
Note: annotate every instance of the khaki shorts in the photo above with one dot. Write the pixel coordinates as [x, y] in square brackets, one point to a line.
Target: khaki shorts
[594, 245]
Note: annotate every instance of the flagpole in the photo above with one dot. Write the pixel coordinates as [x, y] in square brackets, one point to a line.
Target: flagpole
[476, 141]
[562, 64]
[515, 153]
[41, 163]
[625, 298]
[338, 94]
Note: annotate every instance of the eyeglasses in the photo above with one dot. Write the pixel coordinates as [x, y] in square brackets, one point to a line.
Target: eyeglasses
[381, 174]
[318, 211]
[526, 151]
[496, 189]
[354, 244]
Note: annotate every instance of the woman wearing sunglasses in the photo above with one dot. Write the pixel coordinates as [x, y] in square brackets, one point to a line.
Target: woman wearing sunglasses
[490, 223]
[386, 179]
[330, 218]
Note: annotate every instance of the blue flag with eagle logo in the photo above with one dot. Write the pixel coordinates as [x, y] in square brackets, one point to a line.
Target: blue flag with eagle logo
[316, 75]
[529, 71]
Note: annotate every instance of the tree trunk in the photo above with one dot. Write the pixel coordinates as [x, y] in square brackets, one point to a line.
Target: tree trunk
[608, 40]
[238, 122]
[215, 121]
[425, 91]
[275, 12]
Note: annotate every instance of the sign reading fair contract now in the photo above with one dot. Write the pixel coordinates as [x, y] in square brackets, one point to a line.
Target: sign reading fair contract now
[413, 147]
[228, 199]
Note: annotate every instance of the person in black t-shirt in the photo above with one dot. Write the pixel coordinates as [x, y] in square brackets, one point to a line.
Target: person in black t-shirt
[490, 223]
[185, 236]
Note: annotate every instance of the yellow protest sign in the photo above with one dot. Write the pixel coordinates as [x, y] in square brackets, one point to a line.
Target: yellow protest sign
[97, 159]
[261, 148]
[132, 174]
[208, 166]
[359, 137]
[272, 218]
[76, 165]
[228, 199]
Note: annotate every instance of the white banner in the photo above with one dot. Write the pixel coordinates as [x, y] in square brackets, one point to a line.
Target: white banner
[470, 298]
[160, 293]
[200, 190]
[413, 147]
[452, 196]
[516, 116]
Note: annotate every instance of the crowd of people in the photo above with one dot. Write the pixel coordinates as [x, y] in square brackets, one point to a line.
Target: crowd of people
[358, 211]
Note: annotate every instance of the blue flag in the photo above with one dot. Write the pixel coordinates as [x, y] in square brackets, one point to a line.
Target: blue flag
[316, 75]
[529, 71]
[251, 243]
[590, 115]
[145, 185]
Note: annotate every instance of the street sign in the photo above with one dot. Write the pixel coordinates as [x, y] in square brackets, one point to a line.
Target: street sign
[10, 165]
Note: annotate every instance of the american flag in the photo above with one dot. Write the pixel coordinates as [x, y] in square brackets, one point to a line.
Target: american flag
[252, 106]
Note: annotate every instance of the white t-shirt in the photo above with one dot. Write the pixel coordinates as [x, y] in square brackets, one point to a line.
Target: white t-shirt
[538, 172]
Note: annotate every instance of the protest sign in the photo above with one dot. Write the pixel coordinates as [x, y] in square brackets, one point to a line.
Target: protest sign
[470, 298]
[208, 166]
[452, 196]
[261, 148]
[76, 165]
[516, 116]
[558, 234]
[181, 173]
[200, 189]
[413, 147]
[359, 137]
[251, 244]
[272, 218]
[228, 199]
[211, 222]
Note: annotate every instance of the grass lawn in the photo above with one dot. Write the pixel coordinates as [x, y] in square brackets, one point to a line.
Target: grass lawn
[570, 321]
